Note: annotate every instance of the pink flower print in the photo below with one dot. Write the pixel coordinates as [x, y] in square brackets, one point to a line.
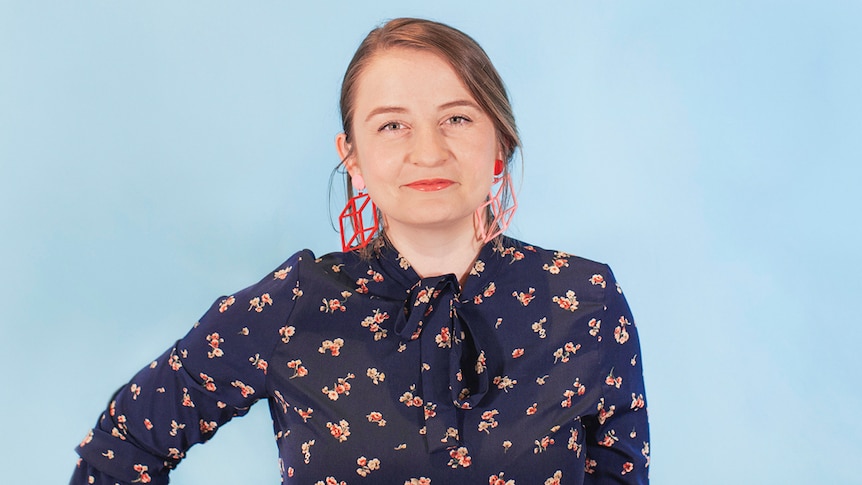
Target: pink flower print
[259, 302]
[282, 273]
[604, 414]
[332, 346]
[286, 332]
[590, 465]
[409, 399]
[280, 399]
[375, 276]
[560, 261]
[424, 296]
[443, 338]
[208, 382]
[376, 376]
[627, 467]
[488, 421]
[498, 480]
[333, 305]
[481, 363]
[226, 303]
[573, 443]
[143, 476]
[376, 417]
[87, 439]
[525, 298]
[259, 363]
[429, 410]
[564, 353]
[637, 402]
[533, 409]
[613, 381]
[306, 451]
[187, 399]
[418, 481]
[645, 452]
[504, 383]
[519, 352]
[175, 427]
[362, 285]
[539, 327]
[634, 360]
[579, 387]
[609, 439]
[340, 431]
[304, 414]
[297, 291]
[568, 302]
[598, 280]
[208, 427]
[366, 466]
[506, 445]
[298, 369]
[459, 457]
[214, 340]
[595, 327]
[620, 333]
[136, 391]
[543, 444]
[568, 394]
[244, 389]
[342, 386]
[373, 321]
[555, 479]
[174, 362]
[478, 267]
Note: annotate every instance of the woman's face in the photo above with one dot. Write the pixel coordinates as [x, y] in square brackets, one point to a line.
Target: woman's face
[420, 141]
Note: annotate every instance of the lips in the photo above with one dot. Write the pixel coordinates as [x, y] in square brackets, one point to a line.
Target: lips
[430, 185]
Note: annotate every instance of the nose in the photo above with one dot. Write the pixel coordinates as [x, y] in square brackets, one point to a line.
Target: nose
[429, 147]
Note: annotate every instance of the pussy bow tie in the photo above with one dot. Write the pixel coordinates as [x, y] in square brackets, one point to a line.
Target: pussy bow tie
[453, 361]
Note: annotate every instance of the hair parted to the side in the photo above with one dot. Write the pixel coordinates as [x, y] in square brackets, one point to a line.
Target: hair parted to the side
[466, 57]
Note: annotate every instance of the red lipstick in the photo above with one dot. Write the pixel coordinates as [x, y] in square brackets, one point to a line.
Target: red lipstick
[430, 185]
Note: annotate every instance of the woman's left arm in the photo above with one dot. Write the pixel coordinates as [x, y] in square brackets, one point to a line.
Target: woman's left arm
[617, 436]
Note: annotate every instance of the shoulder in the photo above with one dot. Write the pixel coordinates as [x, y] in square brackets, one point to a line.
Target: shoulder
[552, 261]
[561, 271]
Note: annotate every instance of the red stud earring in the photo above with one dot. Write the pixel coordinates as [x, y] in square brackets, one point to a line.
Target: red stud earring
[355, 211]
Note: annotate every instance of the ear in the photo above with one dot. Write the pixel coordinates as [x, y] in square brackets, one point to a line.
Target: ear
[346, 154]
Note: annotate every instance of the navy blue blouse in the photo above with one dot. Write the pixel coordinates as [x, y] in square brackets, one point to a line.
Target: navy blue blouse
[529, 373]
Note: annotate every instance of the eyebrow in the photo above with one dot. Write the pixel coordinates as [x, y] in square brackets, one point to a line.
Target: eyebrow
[399, 109]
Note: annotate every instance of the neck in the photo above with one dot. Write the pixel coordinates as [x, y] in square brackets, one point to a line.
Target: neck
[435, 251]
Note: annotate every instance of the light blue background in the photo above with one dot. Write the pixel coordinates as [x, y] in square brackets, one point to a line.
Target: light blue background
[158, 154]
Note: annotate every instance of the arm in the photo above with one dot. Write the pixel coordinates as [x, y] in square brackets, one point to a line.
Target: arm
[617, 437]
[217, 371]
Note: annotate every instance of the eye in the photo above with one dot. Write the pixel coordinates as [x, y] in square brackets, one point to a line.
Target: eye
[458, 120]
[391, 126]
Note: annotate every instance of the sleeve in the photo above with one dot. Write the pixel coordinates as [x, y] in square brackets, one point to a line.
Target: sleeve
[217, 371]
[617, 436]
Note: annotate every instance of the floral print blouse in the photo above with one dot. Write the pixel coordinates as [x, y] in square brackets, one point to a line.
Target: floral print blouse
[530, 373]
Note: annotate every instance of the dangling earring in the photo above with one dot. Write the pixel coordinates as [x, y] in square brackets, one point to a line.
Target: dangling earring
[501, 218]
[354, 211]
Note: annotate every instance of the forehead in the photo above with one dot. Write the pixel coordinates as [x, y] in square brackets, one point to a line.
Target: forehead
[401, 75]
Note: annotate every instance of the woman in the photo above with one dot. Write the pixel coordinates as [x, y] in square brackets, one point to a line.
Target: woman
[433, 349]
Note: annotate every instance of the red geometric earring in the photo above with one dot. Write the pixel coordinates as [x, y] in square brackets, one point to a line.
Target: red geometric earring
[501, 218]
[355, 210]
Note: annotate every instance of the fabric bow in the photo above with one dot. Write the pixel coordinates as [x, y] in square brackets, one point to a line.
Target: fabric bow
[453, 361]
